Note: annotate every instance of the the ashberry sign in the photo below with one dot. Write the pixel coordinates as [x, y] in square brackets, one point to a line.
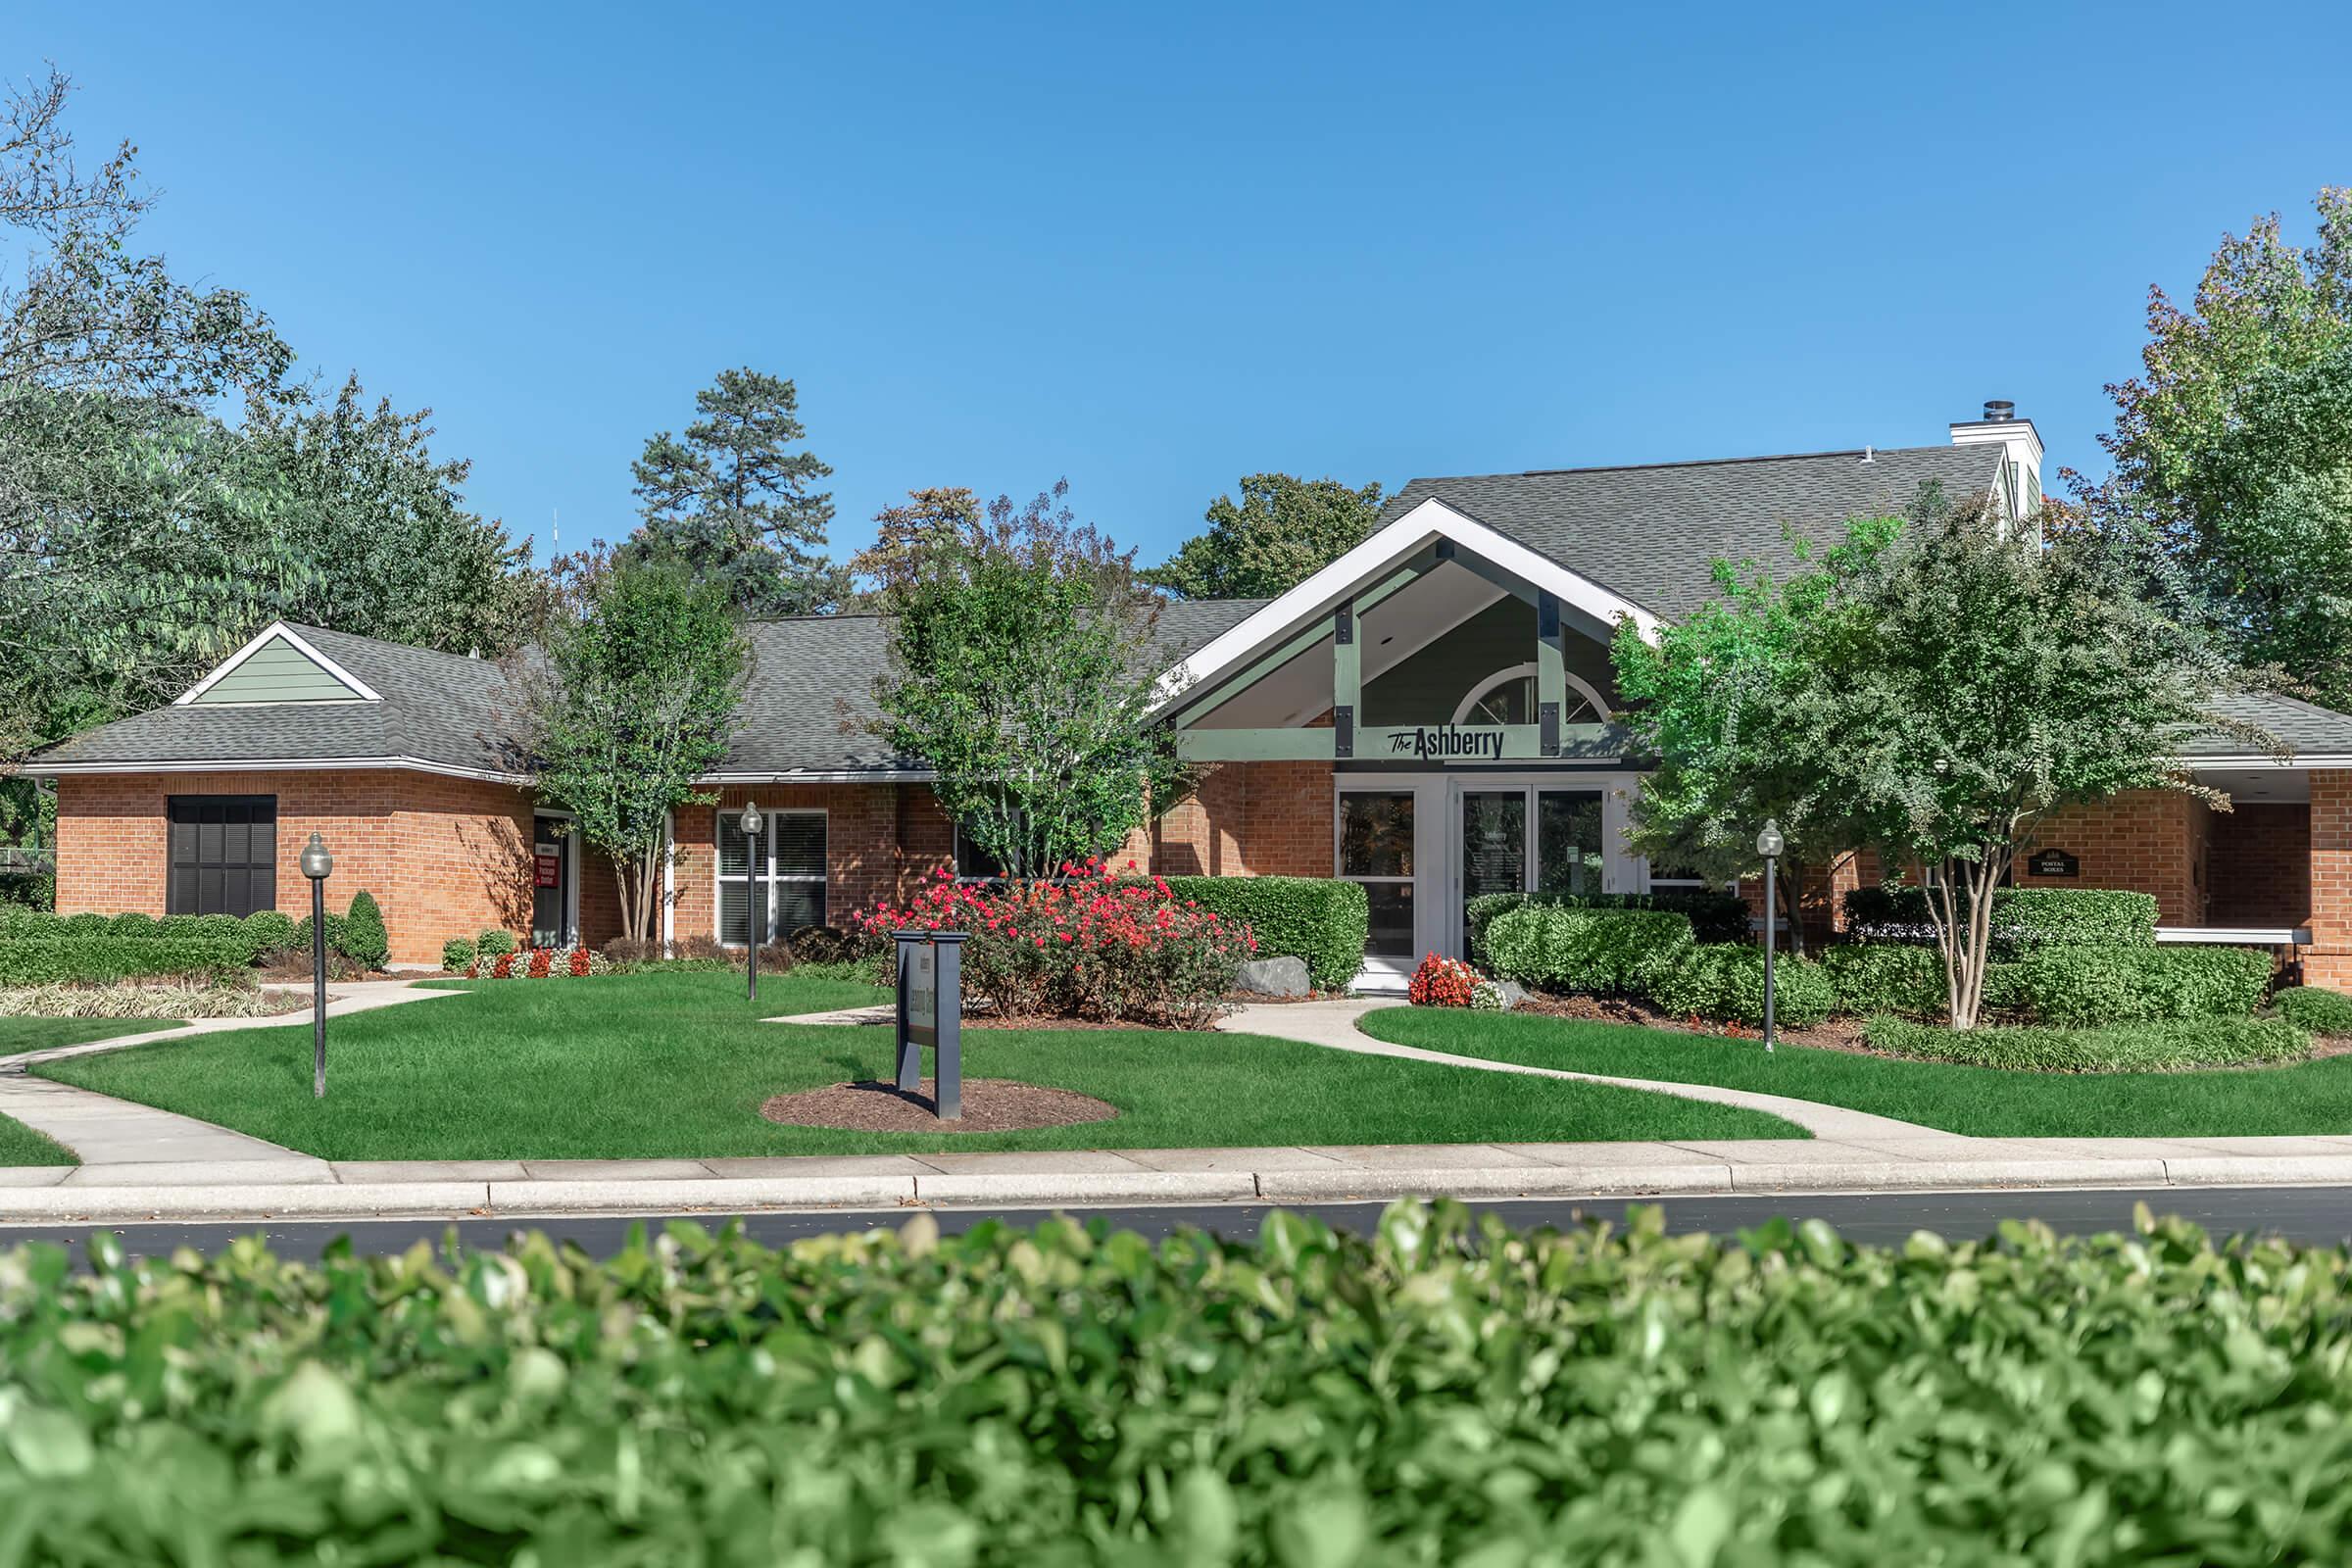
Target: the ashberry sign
[1445, 742]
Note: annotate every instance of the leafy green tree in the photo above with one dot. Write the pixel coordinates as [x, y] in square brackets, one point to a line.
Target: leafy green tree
[735, 500]
[1719, 700]
[635, 701]
[381, 528]
[1281, 532]
[2234, 405]
[1021, 671]
[1963, 685]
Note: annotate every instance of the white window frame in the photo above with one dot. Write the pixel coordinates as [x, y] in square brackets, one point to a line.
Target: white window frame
[569, 839]
[1410, 790]
[1527, 672]
[719, 878]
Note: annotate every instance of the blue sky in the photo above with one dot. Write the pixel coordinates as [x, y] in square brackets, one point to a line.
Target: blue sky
[1155, 248]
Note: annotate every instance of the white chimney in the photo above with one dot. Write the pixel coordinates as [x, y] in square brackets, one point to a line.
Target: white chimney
[2021, 475]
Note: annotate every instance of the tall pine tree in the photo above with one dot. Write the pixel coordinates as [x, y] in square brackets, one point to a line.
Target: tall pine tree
[734, 499]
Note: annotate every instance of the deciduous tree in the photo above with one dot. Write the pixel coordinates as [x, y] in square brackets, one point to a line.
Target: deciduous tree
[1281, 532]
[634, 703]
[1021, 673]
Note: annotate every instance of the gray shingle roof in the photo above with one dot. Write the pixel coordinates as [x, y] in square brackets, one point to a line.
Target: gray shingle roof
[2307, 729]
[443, 709]
[1652, 534]
[807, 710]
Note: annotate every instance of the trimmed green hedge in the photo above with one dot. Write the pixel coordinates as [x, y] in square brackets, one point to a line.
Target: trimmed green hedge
[1714, 915]
[2024, 920]
[1444, 1389]
[257, 934]
[77, 960]
[2322, 1011]
[1320, 919]
[1725, 982]
[1604, 951]
[2154, 1047]
[2102, 985]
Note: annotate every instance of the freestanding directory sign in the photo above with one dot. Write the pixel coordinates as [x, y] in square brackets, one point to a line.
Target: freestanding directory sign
[931, 1014]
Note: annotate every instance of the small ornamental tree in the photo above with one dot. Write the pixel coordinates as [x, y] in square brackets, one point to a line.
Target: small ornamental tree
[635, 702]
[1966, 682]
[1718, 700]
[1021, 673]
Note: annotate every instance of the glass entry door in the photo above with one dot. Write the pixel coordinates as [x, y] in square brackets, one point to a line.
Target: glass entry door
[1527, 838]
[551, 883]
[1494, 843]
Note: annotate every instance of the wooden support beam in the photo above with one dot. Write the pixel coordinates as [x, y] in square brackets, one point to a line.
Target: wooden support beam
[1347, 677]
[1551, 672]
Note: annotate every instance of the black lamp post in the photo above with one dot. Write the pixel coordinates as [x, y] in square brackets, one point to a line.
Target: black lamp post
[757, 889]
[318, 865]
[1769, 844]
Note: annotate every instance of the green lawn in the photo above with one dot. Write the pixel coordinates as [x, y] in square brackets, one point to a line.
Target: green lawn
[41, 1034]
[2308, 1098]
[676, 1065]
[19, 1145]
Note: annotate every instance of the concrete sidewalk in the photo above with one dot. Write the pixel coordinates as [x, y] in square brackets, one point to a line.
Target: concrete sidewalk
[524, 1188]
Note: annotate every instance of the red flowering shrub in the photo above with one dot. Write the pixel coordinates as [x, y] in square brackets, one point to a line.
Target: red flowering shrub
[541, 962]
[581, 960]
[1097, 945]
[1442, 982]
[503, 967]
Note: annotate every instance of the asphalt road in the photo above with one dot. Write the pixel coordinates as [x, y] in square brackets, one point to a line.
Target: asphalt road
[2321, 1215]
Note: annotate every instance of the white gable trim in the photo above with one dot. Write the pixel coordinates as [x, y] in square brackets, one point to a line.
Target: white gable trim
[278, 628]
[1431, 519]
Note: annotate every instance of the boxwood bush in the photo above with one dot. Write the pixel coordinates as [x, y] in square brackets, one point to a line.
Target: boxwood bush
[102, 960]
[1444, 1391]
[1725, 982]
[1320, 919]
[2322, 1011]
[2153, 1047]
[2094, 985]
[2024, 920]
[1553, 948]
[363, 939]
[1714, 915]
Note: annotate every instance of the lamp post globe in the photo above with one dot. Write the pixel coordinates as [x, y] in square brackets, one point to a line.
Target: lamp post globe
[756, 890]
[317, 862]
[1769, 842]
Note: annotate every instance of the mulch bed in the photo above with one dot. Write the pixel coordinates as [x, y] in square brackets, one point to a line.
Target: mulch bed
[990, 1105]
[1837, 1034]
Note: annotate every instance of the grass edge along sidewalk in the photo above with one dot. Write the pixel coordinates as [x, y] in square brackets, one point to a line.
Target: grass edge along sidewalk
[1781, 1395]
[2306, 1097]
[675, 1065]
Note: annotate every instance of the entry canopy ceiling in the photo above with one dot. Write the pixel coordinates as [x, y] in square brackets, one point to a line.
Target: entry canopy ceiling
[1394, 629]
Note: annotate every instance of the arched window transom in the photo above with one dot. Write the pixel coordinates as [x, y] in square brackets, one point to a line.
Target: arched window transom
[1508, 697]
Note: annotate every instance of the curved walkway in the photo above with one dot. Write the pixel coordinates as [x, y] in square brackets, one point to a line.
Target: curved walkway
[1333, 1024]
[170, 1149]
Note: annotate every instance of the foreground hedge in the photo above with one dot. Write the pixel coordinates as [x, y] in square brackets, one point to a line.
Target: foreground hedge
[1725, 982]
[1448, 1392]
[266, 931]
[103, 959]
[1320, 919]
[2162, 1046]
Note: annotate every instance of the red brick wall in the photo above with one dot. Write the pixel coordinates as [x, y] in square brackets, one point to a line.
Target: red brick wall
[878, 839]
[2149, 840]
[2260, 861]
[443, 856]
[1248, 819]
[2327, 961]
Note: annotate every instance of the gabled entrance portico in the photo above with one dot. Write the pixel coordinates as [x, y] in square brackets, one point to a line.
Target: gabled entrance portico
[1459, 689]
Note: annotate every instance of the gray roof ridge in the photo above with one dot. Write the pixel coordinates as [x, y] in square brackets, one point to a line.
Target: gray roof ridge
[1694, 463]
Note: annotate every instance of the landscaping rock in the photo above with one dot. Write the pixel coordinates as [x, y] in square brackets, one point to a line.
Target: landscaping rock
[1273, 977]
[1513, 993]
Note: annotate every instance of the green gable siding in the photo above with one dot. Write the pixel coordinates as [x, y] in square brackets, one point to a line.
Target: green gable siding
[1426, 688]
[277, 672]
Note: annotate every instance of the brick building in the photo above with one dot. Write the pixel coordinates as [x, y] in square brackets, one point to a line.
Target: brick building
[1431, 715]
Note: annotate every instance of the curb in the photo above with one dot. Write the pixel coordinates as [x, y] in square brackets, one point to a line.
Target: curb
[66, 1203]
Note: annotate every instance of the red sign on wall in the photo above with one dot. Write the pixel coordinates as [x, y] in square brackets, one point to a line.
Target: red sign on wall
[547, 868]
